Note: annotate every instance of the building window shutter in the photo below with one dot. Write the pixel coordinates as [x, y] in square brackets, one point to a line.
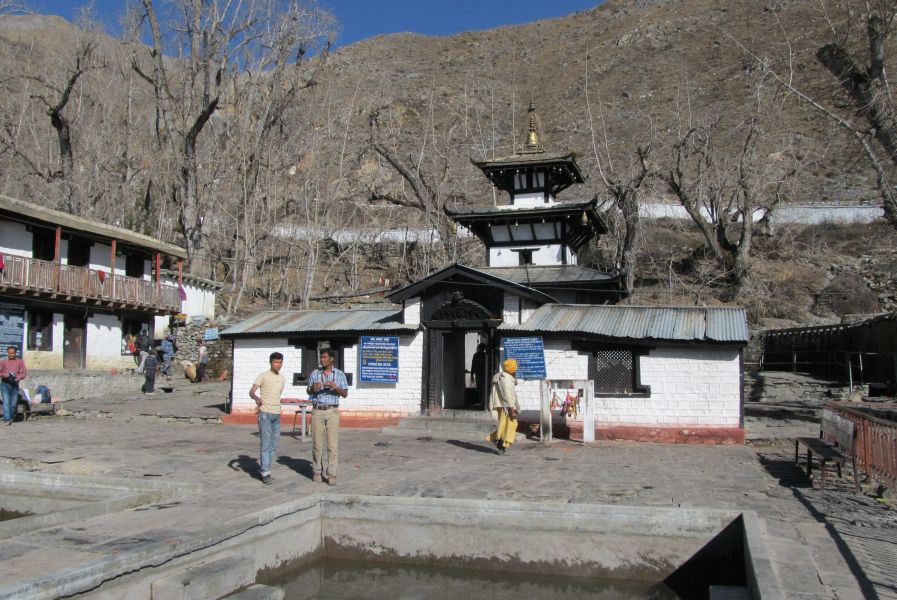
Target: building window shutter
[614, 372]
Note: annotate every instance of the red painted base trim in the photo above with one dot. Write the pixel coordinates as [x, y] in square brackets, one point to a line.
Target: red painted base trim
[346, 420]
[663, 435]
[572, 431]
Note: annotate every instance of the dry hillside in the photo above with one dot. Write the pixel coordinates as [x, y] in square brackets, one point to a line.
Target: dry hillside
[605, 81]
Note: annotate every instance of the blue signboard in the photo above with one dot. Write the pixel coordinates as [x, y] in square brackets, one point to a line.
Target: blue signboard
[12, 327]
[211, 333]
[379, 359]
[529, 354]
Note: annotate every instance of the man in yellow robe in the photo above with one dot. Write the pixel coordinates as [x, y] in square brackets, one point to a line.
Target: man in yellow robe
[503, 400]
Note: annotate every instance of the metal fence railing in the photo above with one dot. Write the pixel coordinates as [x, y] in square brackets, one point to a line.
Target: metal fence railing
[835, 365]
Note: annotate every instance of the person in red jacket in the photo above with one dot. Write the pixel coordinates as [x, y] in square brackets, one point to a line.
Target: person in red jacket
[12, 372]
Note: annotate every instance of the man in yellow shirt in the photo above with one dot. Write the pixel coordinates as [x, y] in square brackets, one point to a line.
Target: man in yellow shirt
[270, 384]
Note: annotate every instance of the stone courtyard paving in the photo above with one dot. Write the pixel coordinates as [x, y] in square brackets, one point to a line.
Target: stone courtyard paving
[831, 544]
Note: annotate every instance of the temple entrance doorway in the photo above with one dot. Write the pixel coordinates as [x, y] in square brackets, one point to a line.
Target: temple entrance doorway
[464, 371]
[459, 357]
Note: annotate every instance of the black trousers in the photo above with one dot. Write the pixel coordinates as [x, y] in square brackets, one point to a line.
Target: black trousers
[150, 381]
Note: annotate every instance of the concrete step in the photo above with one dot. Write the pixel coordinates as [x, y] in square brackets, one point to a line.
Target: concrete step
[466, 436]
[725, 592]
[258, 592]
[461, 415]
[213, 579]
[454, 426]
[437, 424]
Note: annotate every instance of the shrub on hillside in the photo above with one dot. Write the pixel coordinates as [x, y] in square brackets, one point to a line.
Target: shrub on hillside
[846, 294]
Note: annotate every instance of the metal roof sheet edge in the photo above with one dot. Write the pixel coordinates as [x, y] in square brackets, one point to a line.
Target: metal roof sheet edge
[640, 322]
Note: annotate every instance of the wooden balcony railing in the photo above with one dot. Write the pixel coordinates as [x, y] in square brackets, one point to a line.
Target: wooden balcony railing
[876, 439]
[45, 278]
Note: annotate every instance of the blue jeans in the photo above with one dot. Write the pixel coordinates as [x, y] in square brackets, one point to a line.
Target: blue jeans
[269, 431]
[10, 395]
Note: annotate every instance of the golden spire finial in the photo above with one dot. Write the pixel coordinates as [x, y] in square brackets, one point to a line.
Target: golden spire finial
[533, 143]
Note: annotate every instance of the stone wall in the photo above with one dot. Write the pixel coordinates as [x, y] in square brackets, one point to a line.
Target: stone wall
[188, 339]
[73, 385]
[780, 388]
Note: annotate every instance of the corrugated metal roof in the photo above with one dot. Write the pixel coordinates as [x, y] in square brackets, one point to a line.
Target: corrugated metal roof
[307, 321]
[545, 274]
[639, 322]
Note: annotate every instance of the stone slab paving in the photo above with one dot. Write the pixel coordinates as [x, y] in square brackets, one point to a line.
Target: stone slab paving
[831, 544]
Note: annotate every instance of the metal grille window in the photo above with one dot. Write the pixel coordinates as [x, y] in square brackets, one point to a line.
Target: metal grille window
[614, 372]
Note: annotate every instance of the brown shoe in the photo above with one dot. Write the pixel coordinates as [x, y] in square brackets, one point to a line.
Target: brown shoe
[316, 478]
[331, 480]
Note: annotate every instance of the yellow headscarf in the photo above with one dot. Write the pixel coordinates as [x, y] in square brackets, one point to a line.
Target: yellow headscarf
[509, 366]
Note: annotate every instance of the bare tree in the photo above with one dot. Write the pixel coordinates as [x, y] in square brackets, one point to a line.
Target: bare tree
[53, 92]
[428, 174]
[55, 110]
[723, 182]
[220, 44]
[865, 80]
[862, 31]
[624, 191]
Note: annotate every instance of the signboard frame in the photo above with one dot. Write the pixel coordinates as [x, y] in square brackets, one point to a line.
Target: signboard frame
[378, 359]
[12, 327]
[529, 352]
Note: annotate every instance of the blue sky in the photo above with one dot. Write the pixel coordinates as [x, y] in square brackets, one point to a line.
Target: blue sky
[365, 18]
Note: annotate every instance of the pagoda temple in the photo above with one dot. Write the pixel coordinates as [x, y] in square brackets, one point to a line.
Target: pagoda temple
[659, 373]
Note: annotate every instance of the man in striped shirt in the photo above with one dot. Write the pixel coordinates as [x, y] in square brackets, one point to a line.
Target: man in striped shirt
[326, 386]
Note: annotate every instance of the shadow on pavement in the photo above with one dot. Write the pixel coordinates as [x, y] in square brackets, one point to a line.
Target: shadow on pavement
[470, 446]
[790, 475]
[866, 585]
[786, 471]
[298, 465]
[247, 464]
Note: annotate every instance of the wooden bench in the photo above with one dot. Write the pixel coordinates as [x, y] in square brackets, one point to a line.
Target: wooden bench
[28, 409]
[835, 444]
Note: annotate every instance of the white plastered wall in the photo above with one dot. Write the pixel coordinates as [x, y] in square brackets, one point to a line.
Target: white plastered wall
[690, 386]
[103, 333]
[510, 312]
[15, 239]
[200, 301]
[402, 397]
[504, 256]
[365, 399]
[101, 257]
[251, 358]
[411, 312]
[46, 359]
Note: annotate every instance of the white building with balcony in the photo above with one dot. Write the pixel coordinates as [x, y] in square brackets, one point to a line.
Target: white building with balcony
[73, 289]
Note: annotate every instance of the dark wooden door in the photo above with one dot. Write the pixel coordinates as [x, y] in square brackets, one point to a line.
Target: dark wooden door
[433, 372]
[73, 343]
